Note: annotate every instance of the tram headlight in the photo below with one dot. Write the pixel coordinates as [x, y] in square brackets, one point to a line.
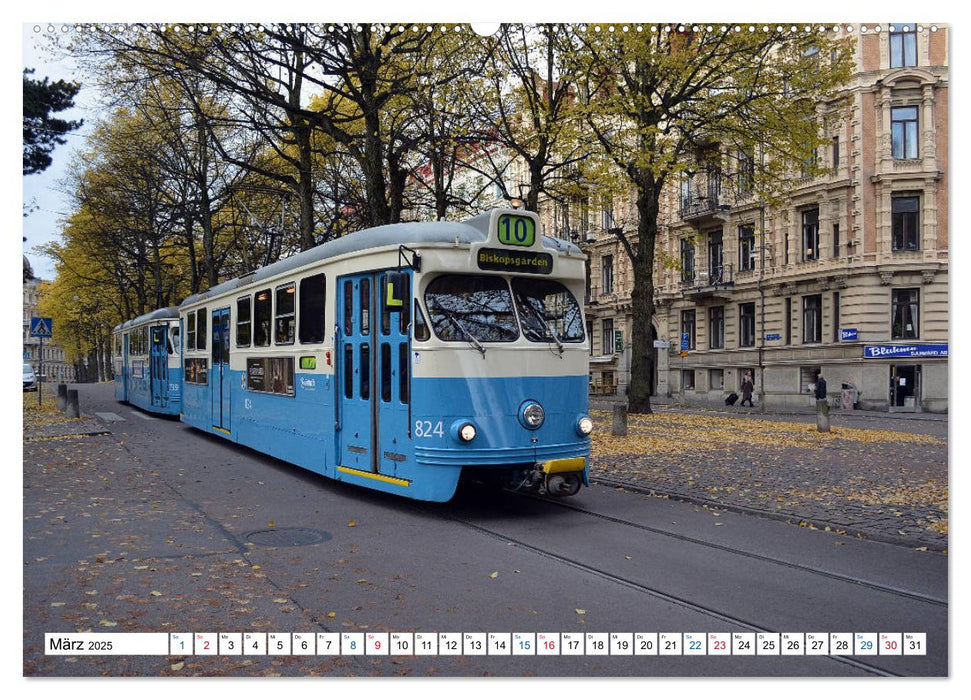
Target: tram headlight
[463, 430]
[532, 415]
[585, 426]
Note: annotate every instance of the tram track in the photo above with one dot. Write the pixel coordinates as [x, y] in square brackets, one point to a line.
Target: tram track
[653, 592]
[843, 578]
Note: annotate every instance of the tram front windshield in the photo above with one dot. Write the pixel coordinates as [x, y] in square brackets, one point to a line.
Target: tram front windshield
[479, 309]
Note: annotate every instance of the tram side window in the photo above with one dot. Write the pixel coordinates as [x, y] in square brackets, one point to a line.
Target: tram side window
[404, 360]
[201, 327]
[348, 307]
[262, 317]
[348, 371]
[421, 327]
[386, 311]
[173, 340]
[365, 368]
[244, 322]
[385, 372]
[190, 331]
[365, 306]
[312, 306]
[286, 321]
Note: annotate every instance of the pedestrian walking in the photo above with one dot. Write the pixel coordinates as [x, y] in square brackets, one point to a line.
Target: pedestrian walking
[820, 387]
[747, 388]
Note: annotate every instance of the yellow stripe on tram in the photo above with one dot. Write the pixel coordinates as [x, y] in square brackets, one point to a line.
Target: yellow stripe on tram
[371, 475]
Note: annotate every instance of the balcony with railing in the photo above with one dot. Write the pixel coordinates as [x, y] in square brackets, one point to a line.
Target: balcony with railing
[714, 281]
[701, 195]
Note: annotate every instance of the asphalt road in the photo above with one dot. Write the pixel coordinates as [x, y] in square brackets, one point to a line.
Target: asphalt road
[154, 526]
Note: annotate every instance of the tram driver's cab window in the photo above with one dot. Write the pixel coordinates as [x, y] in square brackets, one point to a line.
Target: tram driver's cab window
[547, 311]
[471, 308]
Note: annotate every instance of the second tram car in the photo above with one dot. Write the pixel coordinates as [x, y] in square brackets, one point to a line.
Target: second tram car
[397, 357]
[148, 362]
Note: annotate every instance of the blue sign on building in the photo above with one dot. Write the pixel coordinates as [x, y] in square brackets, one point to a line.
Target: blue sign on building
[769, 337]
[848, 334]
[928, 350]
[685, 338]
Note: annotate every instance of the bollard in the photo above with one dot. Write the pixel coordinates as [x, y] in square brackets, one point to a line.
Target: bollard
[619, 426]
[73, 408]
[61, 396]
[822, 416]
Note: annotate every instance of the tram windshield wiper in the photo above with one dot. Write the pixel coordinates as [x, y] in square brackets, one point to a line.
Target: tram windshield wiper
[473, 341]
[524, 305]
[549, 329]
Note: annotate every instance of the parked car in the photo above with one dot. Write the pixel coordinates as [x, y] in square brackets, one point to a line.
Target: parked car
[30, 379]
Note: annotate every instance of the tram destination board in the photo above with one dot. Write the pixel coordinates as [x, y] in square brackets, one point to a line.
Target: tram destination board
[498, 260]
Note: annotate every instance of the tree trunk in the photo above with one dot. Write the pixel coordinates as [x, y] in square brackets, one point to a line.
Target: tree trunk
[642, 297]
[305, 186]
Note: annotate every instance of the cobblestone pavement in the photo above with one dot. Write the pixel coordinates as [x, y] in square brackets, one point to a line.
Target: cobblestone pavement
[879, 478]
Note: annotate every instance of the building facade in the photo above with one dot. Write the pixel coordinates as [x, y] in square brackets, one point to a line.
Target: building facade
[849, 278]
[51, 357]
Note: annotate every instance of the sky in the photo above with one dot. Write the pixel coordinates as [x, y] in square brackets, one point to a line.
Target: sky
[45, 188]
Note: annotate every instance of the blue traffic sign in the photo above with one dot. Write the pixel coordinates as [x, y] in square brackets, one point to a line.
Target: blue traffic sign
[41, 326]
[685, 340]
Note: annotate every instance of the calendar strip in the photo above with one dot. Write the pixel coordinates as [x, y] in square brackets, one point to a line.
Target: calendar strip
[488, 644]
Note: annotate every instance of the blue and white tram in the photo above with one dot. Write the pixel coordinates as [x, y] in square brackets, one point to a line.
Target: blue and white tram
[148, 362]
[397, 357]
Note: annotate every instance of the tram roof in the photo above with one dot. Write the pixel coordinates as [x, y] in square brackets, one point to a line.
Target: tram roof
[473, 230]
[168, 313]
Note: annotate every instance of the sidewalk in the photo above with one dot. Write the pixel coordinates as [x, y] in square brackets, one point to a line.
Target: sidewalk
[883, 478]
[606, 403]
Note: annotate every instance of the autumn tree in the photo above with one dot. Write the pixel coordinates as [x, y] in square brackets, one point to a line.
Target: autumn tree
[657, 99]
[530, 109]
[127, 213]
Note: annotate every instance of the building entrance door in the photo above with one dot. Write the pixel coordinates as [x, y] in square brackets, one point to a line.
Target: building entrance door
[904, 387]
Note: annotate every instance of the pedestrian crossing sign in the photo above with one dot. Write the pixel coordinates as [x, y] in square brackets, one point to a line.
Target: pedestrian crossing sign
[41, 326]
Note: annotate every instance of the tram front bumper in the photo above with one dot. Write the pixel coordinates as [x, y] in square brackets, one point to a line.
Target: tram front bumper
[558, 466]
[562, 477]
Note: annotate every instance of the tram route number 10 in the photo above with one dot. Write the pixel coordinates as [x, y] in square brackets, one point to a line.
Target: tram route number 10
[428, 429]
[517, 230]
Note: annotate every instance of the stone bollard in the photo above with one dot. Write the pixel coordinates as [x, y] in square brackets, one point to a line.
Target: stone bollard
[73, 408]
[822, 416]
[61, 396]
[619, 426]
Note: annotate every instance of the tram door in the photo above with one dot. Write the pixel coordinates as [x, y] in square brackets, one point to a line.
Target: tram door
[373, 363]
[125, 367]
[159, 369]
[220, 382]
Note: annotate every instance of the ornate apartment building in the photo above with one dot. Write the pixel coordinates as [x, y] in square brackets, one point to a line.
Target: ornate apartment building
[848, 278]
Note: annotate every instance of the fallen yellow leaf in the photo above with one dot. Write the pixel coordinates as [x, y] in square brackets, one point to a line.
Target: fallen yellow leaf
[494, 574]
